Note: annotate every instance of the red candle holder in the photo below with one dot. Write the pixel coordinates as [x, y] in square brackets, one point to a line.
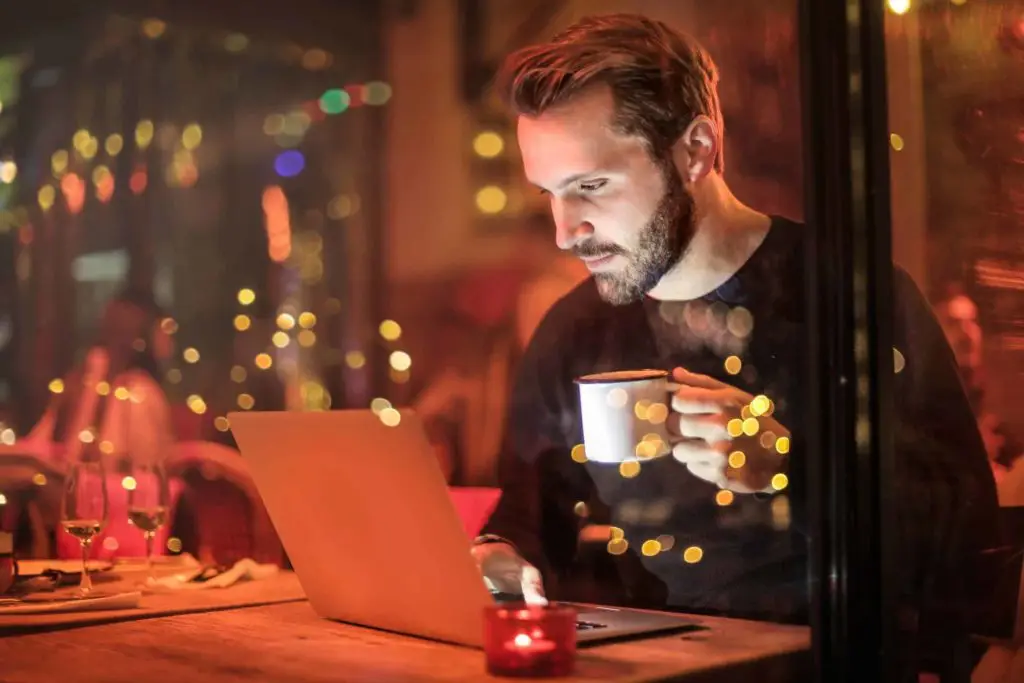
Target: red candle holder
[530, 641]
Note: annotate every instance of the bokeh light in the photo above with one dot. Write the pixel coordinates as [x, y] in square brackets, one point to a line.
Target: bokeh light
[390, 417]
[488, 144]
[390, 330]
[289, 163]
[114, 144]
[376, 93]
[192, 136]
[235, 42]
[153, 28]
[196, 404]
[491, 199]
[334, 101]
[400, 360]
[899, 6]
[144, 130]
[8, 171]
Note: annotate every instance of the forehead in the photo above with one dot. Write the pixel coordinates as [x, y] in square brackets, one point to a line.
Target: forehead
[575, 137]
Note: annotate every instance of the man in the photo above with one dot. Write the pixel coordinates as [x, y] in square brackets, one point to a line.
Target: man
[619, 125]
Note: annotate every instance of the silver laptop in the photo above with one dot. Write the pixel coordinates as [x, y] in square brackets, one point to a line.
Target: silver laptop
[364, 512]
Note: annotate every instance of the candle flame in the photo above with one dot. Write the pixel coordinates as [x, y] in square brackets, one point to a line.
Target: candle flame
[523, 640]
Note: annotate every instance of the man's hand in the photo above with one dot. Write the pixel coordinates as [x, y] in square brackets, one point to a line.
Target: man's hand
[504, 571]
[724, 435]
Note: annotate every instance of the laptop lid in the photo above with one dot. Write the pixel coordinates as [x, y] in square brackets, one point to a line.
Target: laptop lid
[363, 510]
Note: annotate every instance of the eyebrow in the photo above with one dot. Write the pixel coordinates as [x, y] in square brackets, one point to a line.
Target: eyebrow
[575, 177]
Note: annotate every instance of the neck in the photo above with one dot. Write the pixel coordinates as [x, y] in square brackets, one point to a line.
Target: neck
[727, 233]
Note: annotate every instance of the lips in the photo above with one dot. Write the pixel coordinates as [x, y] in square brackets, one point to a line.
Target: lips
[595, 261]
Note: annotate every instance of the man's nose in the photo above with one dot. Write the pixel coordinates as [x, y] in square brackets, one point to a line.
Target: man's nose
[570, 228]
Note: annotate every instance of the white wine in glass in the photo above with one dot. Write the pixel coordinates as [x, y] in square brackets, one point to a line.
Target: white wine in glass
[84, 510]
[148, 505]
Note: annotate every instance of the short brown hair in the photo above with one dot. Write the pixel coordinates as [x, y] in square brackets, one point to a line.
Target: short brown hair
[660, 78]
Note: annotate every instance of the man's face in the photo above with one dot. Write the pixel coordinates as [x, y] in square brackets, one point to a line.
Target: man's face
[628, 217]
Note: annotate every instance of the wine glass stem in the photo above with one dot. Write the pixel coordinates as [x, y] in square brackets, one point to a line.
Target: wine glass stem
[85, 586]
[149, 556]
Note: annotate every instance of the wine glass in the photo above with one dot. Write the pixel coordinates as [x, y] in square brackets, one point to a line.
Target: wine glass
[84, 510]
[148, 504]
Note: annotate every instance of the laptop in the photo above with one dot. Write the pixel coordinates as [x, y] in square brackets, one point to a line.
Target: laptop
[365, 515]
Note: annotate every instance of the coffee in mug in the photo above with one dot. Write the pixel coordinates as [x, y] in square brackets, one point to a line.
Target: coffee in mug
[624, 414]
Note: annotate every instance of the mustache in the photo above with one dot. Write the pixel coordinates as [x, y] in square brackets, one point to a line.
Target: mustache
[596, 250]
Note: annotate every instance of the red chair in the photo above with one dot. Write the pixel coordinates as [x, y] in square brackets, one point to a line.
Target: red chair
[230, 521]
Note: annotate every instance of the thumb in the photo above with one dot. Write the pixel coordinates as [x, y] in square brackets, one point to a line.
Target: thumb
[533, 586]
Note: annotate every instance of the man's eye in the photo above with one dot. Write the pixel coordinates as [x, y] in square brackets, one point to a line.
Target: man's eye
[592, 185]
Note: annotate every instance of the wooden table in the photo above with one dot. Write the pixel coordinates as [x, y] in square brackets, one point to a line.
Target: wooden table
[287, 642]
[281, 588]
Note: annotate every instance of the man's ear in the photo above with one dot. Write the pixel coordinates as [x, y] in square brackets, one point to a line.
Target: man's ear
[696, 149]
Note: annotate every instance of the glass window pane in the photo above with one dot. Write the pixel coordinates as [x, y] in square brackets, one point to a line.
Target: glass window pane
[955, 109]
[592, 292]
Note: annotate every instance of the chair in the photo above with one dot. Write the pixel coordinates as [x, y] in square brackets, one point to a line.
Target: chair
[24, 495]
[230, 521]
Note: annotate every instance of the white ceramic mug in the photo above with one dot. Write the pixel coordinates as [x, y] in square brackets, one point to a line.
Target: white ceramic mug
[624, 414]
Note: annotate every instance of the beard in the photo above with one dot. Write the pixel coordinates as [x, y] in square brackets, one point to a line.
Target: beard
[663, 242]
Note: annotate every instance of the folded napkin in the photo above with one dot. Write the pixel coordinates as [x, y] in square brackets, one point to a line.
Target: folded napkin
[49, 606]
[243, 570]
[29, 568]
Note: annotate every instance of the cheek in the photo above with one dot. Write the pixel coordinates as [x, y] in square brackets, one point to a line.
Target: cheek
[621, 218]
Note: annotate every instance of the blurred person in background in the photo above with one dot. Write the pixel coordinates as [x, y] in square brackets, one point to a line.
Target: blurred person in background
[958, 315]
[129, 349]
[112, 406]
[620, 126]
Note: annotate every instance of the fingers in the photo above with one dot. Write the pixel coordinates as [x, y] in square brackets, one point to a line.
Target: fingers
[504, 571]
[697, 401]
[699, 452]
[708, 428]
[532, 586]
[708, 473]
[704, 461]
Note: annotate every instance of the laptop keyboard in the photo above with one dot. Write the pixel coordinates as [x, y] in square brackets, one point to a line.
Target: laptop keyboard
[588, 626]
